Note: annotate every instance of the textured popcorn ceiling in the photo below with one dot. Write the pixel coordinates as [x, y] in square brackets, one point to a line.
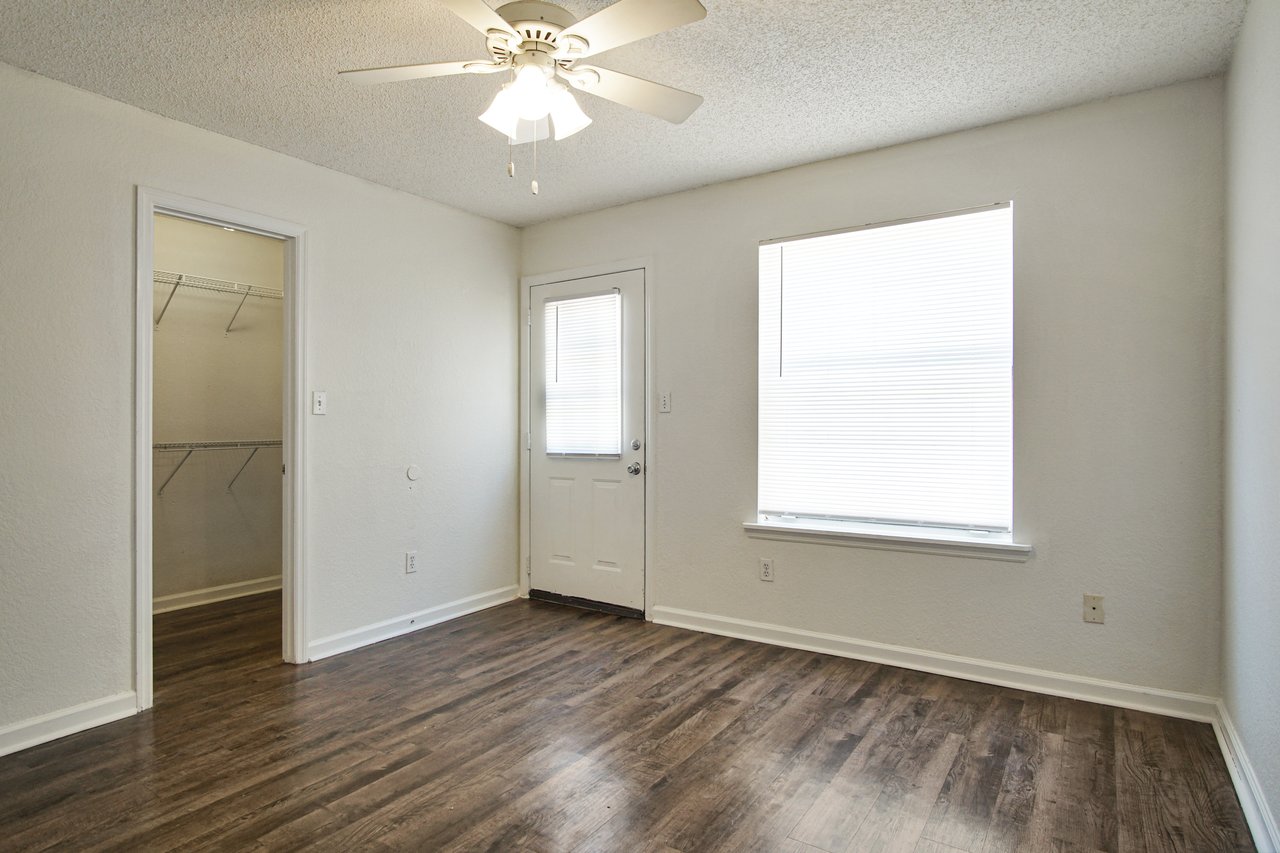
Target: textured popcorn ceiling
[785, 82]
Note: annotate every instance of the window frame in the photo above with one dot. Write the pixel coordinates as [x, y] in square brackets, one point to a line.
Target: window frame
[888, 535]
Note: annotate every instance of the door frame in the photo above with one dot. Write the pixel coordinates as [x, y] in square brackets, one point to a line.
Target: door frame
[527, 283]
[293, 577]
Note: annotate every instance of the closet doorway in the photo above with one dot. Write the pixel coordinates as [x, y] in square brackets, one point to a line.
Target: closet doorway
[219, 427]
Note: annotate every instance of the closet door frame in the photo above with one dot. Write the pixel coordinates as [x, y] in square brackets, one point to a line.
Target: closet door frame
[293, 578]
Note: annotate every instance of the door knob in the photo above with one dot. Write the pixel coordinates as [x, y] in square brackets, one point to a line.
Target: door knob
[633, 469]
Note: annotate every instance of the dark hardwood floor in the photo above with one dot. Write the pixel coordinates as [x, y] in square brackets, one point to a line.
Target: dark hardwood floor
[538, 727]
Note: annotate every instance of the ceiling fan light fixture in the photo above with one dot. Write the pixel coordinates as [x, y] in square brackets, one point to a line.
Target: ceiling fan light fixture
[522, 107]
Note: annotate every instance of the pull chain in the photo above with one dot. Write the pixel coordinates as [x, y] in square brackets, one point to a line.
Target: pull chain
[511, 157]
[534, 186]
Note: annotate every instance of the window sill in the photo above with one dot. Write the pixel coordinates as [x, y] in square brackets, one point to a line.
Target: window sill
[890, 538]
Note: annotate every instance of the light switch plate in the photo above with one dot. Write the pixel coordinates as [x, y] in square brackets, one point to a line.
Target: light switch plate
[319, 402]
[664, 402]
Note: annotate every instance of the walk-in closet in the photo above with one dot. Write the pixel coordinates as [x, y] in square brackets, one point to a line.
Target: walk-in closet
[217, 429]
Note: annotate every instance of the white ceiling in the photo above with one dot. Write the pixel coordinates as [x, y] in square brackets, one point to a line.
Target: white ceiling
[785, 82]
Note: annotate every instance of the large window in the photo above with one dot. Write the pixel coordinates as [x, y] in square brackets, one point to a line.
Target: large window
[885, 375]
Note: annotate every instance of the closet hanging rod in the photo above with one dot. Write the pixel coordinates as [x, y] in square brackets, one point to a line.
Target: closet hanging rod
[175, 280]
[215, 284]
[192, 446]
[216, 445]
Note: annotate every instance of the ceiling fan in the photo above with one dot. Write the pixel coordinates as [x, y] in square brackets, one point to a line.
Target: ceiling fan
[541, 45]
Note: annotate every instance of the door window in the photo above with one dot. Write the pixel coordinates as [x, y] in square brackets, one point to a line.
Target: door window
[583, 345]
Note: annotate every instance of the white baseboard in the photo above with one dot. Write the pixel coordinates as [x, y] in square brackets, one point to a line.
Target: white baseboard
[225, 592]
[1188, 706]
[379, 631]
[1253, 801]
[68, 721]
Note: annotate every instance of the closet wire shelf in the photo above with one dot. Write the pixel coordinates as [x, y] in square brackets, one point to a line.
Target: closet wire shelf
[244, 291]
[196, 446]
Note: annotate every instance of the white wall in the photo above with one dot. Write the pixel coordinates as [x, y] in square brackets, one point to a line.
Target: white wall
[211, 385]
[411, 327]
[215, 252]
[1251, 648]
[1118, 387]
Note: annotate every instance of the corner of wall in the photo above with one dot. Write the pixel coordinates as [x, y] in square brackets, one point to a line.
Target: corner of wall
[1251, 540]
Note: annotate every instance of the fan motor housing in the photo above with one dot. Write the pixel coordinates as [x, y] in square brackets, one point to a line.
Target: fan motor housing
[536, 20]
[538, 25]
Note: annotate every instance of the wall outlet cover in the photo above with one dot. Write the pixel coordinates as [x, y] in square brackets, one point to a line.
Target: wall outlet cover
[1093, 612]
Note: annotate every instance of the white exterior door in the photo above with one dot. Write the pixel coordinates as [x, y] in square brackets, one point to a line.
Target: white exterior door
[587, 441]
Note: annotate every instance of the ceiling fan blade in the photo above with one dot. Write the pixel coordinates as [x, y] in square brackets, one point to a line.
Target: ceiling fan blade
[478, 14]
[395, 73]
[631, 20]
[644, 95]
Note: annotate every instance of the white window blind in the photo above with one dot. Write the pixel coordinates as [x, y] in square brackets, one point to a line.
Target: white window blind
[584, 375]
[886, 374]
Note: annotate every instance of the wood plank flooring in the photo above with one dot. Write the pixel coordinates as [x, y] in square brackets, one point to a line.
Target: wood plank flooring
[537, 727]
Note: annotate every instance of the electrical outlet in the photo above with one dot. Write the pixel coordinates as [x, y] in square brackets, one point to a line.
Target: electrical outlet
[766, 569]
[410, 562]
[1093, 611]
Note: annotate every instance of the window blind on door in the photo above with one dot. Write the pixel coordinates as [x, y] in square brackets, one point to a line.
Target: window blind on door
[886, 374]
[583, 349]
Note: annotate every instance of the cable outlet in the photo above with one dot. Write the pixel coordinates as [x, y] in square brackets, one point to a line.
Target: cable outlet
[766, 569]
[1093, 611]
[410, 562]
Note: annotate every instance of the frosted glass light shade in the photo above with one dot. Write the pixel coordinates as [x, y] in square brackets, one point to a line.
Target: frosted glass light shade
[532, 92]
[502, 115]
[566, 115]
[531, 131]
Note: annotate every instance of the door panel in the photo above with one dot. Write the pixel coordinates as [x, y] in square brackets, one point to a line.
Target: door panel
[587, 418]
[606, 504]
[560, 518]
